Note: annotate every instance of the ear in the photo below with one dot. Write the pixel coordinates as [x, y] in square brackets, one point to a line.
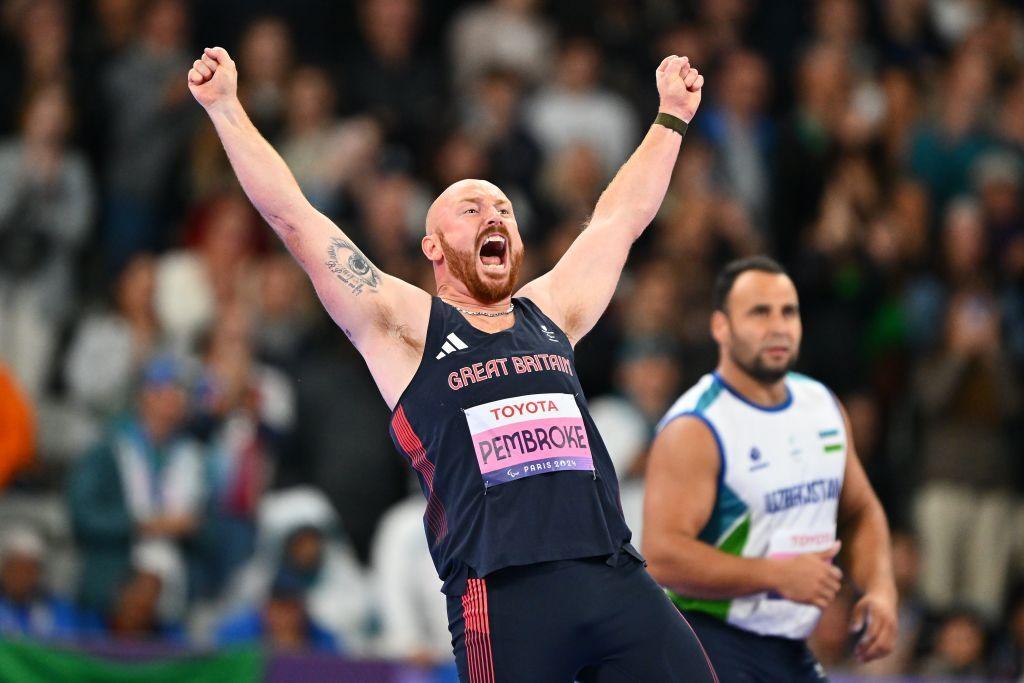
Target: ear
[431, 249]
[720, 327]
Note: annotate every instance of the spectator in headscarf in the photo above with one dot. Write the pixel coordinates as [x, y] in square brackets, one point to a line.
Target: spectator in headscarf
[299, 535]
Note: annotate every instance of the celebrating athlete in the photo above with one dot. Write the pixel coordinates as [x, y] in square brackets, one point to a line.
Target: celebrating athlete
[522, 517]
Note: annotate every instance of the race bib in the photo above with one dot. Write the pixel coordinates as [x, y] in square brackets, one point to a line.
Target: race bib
[526, 435]
[792, 542]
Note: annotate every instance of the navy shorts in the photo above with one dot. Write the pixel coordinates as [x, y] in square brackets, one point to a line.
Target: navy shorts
[588, 620]
[744, 657]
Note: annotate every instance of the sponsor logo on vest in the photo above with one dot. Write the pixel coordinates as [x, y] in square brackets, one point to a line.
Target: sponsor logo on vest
[531, 407]
[451, 344]
[755, 458]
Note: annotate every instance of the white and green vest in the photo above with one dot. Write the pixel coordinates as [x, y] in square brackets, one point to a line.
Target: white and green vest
[778, 489]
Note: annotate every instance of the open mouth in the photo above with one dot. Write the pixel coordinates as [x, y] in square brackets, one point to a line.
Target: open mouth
[494, 250]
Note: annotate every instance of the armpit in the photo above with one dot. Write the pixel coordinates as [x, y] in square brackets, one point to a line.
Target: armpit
[573, 324]
[394, 330]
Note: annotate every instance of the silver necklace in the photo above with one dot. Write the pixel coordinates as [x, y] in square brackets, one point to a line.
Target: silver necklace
[486, 314]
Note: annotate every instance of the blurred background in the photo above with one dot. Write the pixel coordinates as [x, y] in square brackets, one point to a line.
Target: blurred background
[192, 456]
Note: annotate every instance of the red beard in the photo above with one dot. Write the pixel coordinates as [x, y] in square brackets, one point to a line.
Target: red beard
[463, 267]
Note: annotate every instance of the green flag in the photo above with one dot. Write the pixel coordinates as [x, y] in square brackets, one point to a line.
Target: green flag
[23, 662]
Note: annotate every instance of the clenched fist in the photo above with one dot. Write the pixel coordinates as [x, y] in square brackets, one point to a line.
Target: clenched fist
[875, 615]
[679, 86]
[213, 78]
[810, 578]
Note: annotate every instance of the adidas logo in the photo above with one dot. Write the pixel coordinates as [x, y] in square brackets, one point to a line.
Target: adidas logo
[451, 345]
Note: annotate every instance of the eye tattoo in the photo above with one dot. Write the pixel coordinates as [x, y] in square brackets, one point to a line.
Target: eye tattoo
[350, 266]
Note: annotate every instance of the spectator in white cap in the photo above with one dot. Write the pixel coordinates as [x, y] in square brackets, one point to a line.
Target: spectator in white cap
[27, 609]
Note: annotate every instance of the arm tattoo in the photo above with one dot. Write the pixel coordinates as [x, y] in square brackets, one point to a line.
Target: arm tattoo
[350, 266]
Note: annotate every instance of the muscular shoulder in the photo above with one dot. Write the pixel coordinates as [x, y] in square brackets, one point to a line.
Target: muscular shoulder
[696, 400]
[689, 435]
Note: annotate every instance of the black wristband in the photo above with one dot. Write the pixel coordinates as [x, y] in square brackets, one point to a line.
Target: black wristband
[671, 122]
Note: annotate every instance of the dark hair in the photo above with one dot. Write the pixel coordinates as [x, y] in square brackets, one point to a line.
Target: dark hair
[732, 270]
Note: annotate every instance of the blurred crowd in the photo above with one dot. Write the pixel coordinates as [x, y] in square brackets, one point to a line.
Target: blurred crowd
[190, 451]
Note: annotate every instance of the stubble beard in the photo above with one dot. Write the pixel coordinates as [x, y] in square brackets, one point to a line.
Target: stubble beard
[760, 372]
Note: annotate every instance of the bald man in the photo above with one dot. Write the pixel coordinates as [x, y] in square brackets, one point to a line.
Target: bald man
[522, 518]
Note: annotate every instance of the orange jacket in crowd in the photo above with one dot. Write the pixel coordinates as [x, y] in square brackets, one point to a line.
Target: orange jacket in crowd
[17, 428]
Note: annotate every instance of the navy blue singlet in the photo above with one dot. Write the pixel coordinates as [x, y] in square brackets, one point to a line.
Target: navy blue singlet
[497, 428]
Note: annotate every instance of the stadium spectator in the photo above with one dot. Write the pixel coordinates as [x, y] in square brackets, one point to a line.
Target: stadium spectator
[149, 118]
[110, 346]
[576, 109]
[960, 648]
[299, 535]
[244, 411]
[266, 56]
[282, 623]
[326, 154]
[493, 116]
[942, 151]
[647, 379]
[508, 34]
[194, 286]
[142, 481]
[46, 207]
[392, 207]
[40, 43]
[27, 608]
[283, 317]
[393, 76]
[1008, 653]
[135, 612]
[742, 135]
[967, 392]
[810, 137]
[412, 611]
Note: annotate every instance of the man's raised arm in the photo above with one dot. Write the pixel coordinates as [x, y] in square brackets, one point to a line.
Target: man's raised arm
[577, 290]
[364, 302]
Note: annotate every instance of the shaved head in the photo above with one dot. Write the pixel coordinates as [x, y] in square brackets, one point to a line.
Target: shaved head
[468, 187]
[459, 222]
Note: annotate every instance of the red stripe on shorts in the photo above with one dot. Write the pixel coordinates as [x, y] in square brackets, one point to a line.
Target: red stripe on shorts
[479, 656]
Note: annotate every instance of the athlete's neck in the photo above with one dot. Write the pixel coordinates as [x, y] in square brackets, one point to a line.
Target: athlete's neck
[767, 395]
[464, 300]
